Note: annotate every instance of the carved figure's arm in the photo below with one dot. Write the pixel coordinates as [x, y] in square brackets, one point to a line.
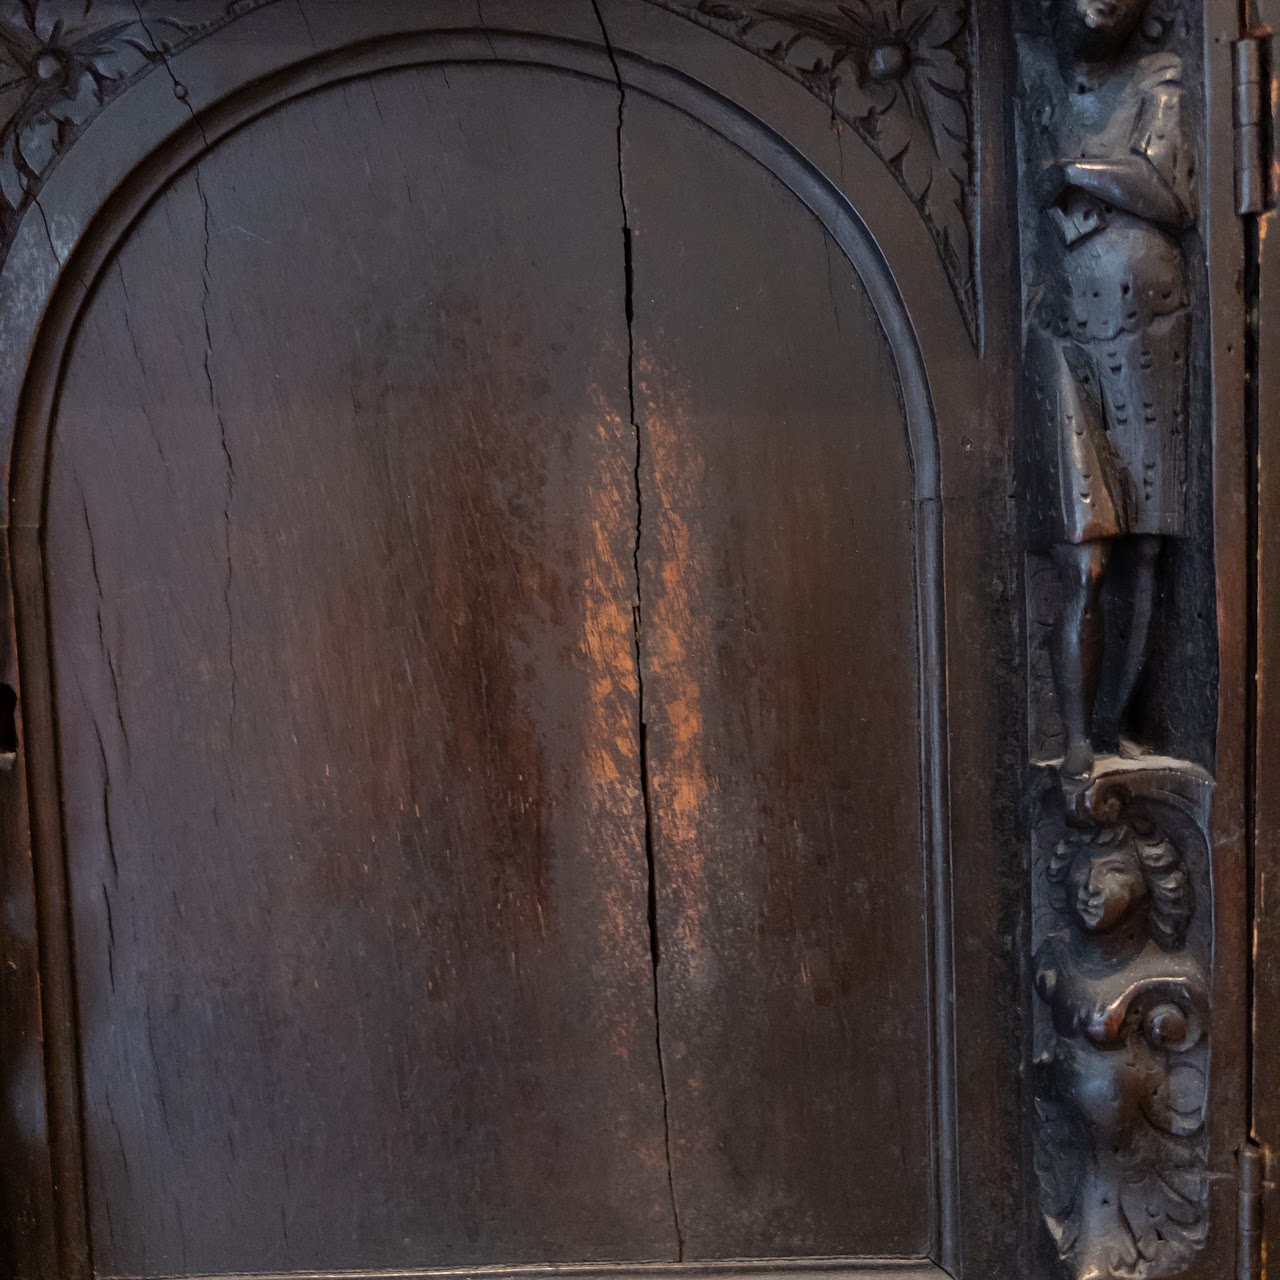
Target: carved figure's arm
[1130, 183]
[1156, 180]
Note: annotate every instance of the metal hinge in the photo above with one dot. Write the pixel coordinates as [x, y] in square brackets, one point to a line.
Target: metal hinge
[1251, 84]
[1249, 1221]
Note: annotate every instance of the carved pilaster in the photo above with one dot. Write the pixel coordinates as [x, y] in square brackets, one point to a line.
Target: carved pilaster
[1116, 513]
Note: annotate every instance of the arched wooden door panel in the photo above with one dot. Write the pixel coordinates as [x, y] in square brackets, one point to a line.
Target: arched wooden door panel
[348, 715]
[478, 545]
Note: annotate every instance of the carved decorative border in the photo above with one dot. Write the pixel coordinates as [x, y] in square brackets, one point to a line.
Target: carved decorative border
[898, 72]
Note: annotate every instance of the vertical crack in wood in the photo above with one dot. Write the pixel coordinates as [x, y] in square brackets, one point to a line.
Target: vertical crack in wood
[181, 93]
[230, 470]
[637, 615]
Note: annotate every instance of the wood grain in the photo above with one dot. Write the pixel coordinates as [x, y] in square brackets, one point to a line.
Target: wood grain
[780, 644]
[339, 539]
[342, 569]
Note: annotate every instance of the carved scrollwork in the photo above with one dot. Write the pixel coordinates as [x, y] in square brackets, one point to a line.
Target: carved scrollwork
[898, 72]
[1122, 1036]
[62, 61]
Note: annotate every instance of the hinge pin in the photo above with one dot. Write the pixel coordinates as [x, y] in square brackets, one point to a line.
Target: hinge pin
[1249, 1222]
[1252, 176]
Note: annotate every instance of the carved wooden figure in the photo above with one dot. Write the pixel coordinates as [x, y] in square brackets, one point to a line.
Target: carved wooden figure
[1108, 340]
[1122, 1083]
[1122, 886]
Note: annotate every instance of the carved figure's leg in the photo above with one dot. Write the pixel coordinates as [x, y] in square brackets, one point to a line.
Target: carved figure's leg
[1077, 646]
[1143, 553]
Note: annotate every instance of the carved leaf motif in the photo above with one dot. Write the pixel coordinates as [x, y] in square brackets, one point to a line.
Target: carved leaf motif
[1164, 1202]
[61, 61]
[896, 71]
[1059, 1165]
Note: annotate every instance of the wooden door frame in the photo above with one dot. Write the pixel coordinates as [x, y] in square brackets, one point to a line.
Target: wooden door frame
[178, 105]
[1260, 1203]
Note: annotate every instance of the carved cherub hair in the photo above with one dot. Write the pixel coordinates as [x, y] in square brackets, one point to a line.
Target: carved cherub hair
[1170, 896]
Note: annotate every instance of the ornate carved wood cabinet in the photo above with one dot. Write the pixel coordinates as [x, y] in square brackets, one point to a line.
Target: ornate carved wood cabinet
[636, 636]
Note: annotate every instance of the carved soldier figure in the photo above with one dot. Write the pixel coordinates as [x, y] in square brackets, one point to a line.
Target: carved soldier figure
[1108, 340]
[1122, 1086]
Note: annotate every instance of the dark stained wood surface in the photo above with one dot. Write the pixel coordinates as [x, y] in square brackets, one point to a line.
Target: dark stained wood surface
[780, 641]
[1264, 424]
[341, 579]
[339, 556]
[28, 1176]
[340, 658]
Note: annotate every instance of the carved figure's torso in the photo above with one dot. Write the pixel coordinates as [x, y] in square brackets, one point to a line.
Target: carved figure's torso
[1096, 1001]
[1111, 301]
[1109, 271]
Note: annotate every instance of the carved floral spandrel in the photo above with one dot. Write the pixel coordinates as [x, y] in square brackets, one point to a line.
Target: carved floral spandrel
[898, 72]
[61, 61]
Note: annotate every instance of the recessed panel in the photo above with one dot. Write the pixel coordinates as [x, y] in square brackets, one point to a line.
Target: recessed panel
[339, 558]
[490, 729]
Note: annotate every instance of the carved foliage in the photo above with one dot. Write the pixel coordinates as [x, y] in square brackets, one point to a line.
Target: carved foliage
[898, 72]
[61, 61]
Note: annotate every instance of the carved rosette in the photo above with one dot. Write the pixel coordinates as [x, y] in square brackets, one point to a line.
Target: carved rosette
[62, 61]
[897, 71]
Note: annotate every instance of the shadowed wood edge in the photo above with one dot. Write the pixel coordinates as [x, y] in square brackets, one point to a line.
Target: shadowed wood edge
[835, 1268]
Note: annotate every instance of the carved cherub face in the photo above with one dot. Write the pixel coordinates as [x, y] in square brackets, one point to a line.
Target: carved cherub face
[1097, 29]
[1106, 886]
